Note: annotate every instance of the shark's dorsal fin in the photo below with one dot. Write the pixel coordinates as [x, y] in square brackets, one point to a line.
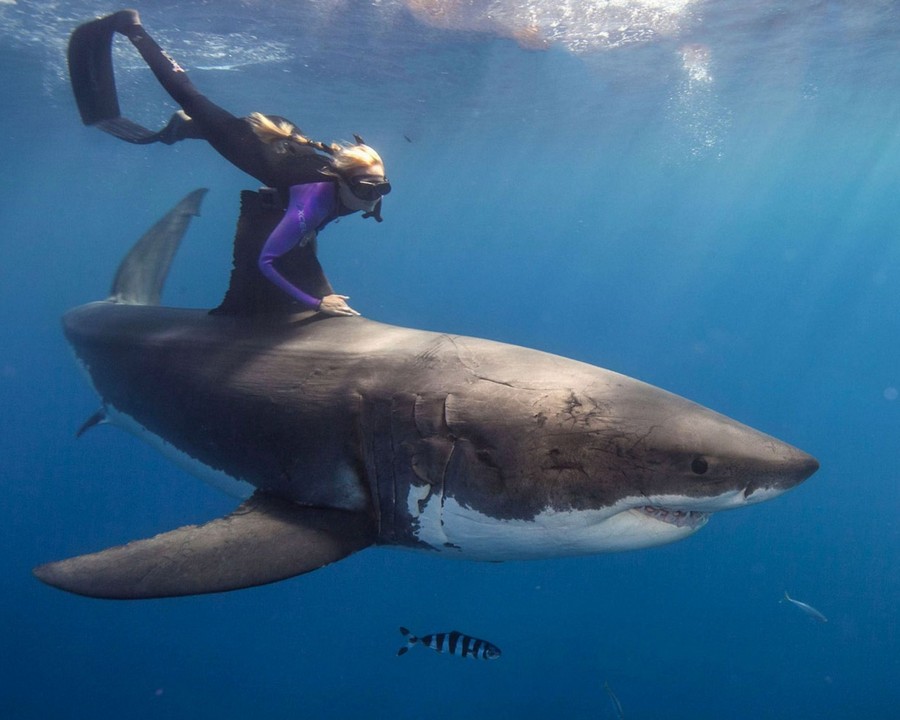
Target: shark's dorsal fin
[249, 292]
[142, 273]
[264, 540]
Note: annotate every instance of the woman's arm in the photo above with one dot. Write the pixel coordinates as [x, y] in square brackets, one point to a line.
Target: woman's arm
[308, 207]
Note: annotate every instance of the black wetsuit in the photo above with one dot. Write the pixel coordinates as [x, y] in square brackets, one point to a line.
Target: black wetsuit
[231, 136]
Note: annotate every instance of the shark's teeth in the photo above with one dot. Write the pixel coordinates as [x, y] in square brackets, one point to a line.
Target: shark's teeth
[679, 518]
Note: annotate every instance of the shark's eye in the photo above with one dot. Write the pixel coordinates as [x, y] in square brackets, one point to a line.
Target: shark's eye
[699, 465]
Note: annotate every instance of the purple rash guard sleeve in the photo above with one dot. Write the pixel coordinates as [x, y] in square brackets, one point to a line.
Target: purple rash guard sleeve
[308, 207]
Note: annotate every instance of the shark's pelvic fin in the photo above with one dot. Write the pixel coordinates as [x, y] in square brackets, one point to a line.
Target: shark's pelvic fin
[264, 540]
[140, 277]
[98, 418]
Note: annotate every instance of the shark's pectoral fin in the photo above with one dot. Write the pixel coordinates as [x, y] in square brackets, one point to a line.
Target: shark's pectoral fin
[264, 540]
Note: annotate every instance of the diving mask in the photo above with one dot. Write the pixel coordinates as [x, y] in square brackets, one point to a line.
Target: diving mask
[369, 187]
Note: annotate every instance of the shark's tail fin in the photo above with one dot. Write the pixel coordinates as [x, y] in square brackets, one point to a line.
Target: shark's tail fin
[410, 641]
[142, 273]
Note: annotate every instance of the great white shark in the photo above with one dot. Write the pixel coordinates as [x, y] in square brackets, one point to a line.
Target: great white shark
[340, 433]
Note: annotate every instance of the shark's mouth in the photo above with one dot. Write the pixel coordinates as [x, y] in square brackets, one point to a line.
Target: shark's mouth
[678, 518]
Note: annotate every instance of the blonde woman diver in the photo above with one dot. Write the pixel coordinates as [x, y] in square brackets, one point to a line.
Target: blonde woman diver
[316, 182]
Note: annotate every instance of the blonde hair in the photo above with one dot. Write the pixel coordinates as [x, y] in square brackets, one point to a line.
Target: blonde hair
[272, 131]
[347, 157]
[352, 157]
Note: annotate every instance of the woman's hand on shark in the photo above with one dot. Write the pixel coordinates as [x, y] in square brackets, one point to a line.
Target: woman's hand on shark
[336, 305]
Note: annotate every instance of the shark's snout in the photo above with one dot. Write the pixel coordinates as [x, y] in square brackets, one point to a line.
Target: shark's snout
[798, 467]
[789, 470]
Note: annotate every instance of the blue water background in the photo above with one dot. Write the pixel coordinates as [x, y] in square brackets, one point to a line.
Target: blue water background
[734, 238]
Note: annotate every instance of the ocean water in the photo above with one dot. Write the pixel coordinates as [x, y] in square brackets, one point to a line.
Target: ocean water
[702, 195]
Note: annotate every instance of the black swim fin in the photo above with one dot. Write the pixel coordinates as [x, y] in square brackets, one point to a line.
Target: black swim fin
[91, 70]
[94, 84]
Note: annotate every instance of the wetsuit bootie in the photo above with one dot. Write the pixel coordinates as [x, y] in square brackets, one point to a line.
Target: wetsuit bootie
[180, 127]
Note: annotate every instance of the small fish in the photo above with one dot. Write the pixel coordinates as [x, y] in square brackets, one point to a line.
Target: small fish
[620, 713]
[808, 609]
[454, 643]
[407, 138]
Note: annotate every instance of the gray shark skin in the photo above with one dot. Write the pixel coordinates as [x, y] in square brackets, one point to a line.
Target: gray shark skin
[345, 433]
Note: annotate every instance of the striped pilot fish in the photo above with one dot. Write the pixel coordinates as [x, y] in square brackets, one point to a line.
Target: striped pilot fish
[454, 643]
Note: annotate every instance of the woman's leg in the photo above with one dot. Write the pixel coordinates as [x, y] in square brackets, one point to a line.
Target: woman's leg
[170, 74]
[90, 67]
